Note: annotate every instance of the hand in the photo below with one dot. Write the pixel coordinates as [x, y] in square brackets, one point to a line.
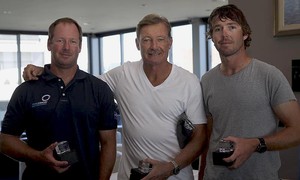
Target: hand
[46, 157]
[243, 148]
[31, 72]
[160, 170]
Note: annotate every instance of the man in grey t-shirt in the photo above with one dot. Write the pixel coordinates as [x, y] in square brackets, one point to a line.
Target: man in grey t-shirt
[245, 99]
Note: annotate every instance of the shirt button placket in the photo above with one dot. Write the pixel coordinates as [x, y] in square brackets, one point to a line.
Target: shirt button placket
[62, 87]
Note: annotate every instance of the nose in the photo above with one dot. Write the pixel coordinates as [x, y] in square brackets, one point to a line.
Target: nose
[154, 44]
[225, 31]
[66, 45]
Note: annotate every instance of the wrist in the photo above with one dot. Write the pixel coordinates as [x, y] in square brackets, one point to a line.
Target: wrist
[262, 146]
[176, 168]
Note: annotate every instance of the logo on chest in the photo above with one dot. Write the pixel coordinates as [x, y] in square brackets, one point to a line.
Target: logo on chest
[44, 101]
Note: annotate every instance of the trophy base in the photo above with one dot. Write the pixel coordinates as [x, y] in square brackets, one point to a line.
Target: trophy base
[136, 174]
[70, 156]
[218, 158]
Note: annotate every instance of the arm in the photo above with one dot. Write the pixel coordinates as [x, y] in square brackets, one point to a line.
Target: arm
[289, 136]
[202, 159]
[15, 148]
[31, 72]
[107, 153]
[194, 148]
[187, 155]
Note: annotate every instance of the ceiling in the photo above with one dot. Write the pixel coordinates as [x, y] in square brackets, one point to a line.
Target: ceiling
[97, 16]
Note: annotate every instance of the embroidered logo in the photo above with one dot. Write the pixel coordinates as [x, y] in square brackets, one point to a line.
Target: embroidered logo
[45, 99]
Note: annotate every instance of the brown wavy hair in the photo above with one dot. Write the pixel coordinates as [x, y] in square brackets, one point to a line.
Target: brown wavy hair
[235, 14]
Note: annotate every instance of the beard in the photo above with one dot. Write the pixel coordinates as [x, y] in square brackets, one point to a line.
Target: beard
[228, 50]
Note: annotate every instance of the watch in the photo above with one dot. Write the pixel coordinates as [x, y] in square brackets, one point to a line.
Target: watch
[176, 169]
[262, 147]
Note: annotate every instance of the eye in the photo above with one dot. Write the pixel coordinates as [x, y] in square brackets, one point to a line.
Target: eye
[60, 41]
[232, 27]
[146, 40]
[217, 29]
[161, 39]
[74, 42]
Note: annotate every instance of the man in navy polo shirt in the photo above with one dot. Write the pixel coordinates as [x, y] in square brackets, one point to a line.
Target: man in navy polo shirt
[64, 104]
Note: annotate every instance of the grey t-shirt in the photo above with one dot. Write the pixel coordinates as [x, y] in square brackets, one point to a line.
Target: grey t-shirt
[241, 106]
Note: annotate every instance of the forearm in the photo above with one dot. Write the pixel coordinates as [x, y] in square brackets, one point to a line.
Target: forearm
[283, 139]
[194, 148]
[289, 135]
[107, 161]
[107, 153]
[202, 164]
[15, 148]
[202, 159]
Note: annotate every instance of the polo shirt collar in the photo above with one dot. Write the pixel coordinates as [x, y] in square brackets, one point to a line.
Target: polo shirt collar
[48, 75]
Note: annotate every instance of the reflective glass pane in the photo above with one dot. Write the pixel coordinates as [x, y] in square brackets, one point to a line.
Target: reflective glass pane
[131, 53]
[215, 58]
[83, 58]
[34, 50]
[8, 66]
[182, 48]
[111, 52]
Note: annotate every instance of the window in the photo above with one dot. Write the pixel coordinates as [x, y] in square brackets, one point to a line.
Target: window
[215, 58]
[182, 48]
[111, 52]
[8, 66]
[83, 58]
[131, 53]
[117, 49]
[34, 50]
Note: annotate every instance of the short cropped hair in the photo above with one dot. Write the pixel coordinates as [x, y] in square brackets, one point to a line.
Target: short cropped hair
[64, 20]
[151, 19]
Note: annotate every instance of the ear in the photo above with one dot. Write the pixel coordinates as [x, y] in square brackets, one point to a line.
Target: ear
[137, 43]
[245, 37]
[212, 39]
[49, 45]
[171, 42]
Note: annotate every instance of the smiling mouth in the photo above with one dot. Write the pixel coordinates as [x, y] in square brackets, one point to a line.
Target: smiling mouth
[225, 42]
[66, 55]
[154, 53]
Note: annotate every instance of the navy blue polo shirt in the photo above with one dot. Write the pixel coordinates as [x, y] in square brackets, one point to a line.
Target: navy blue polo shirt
[48, 111]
